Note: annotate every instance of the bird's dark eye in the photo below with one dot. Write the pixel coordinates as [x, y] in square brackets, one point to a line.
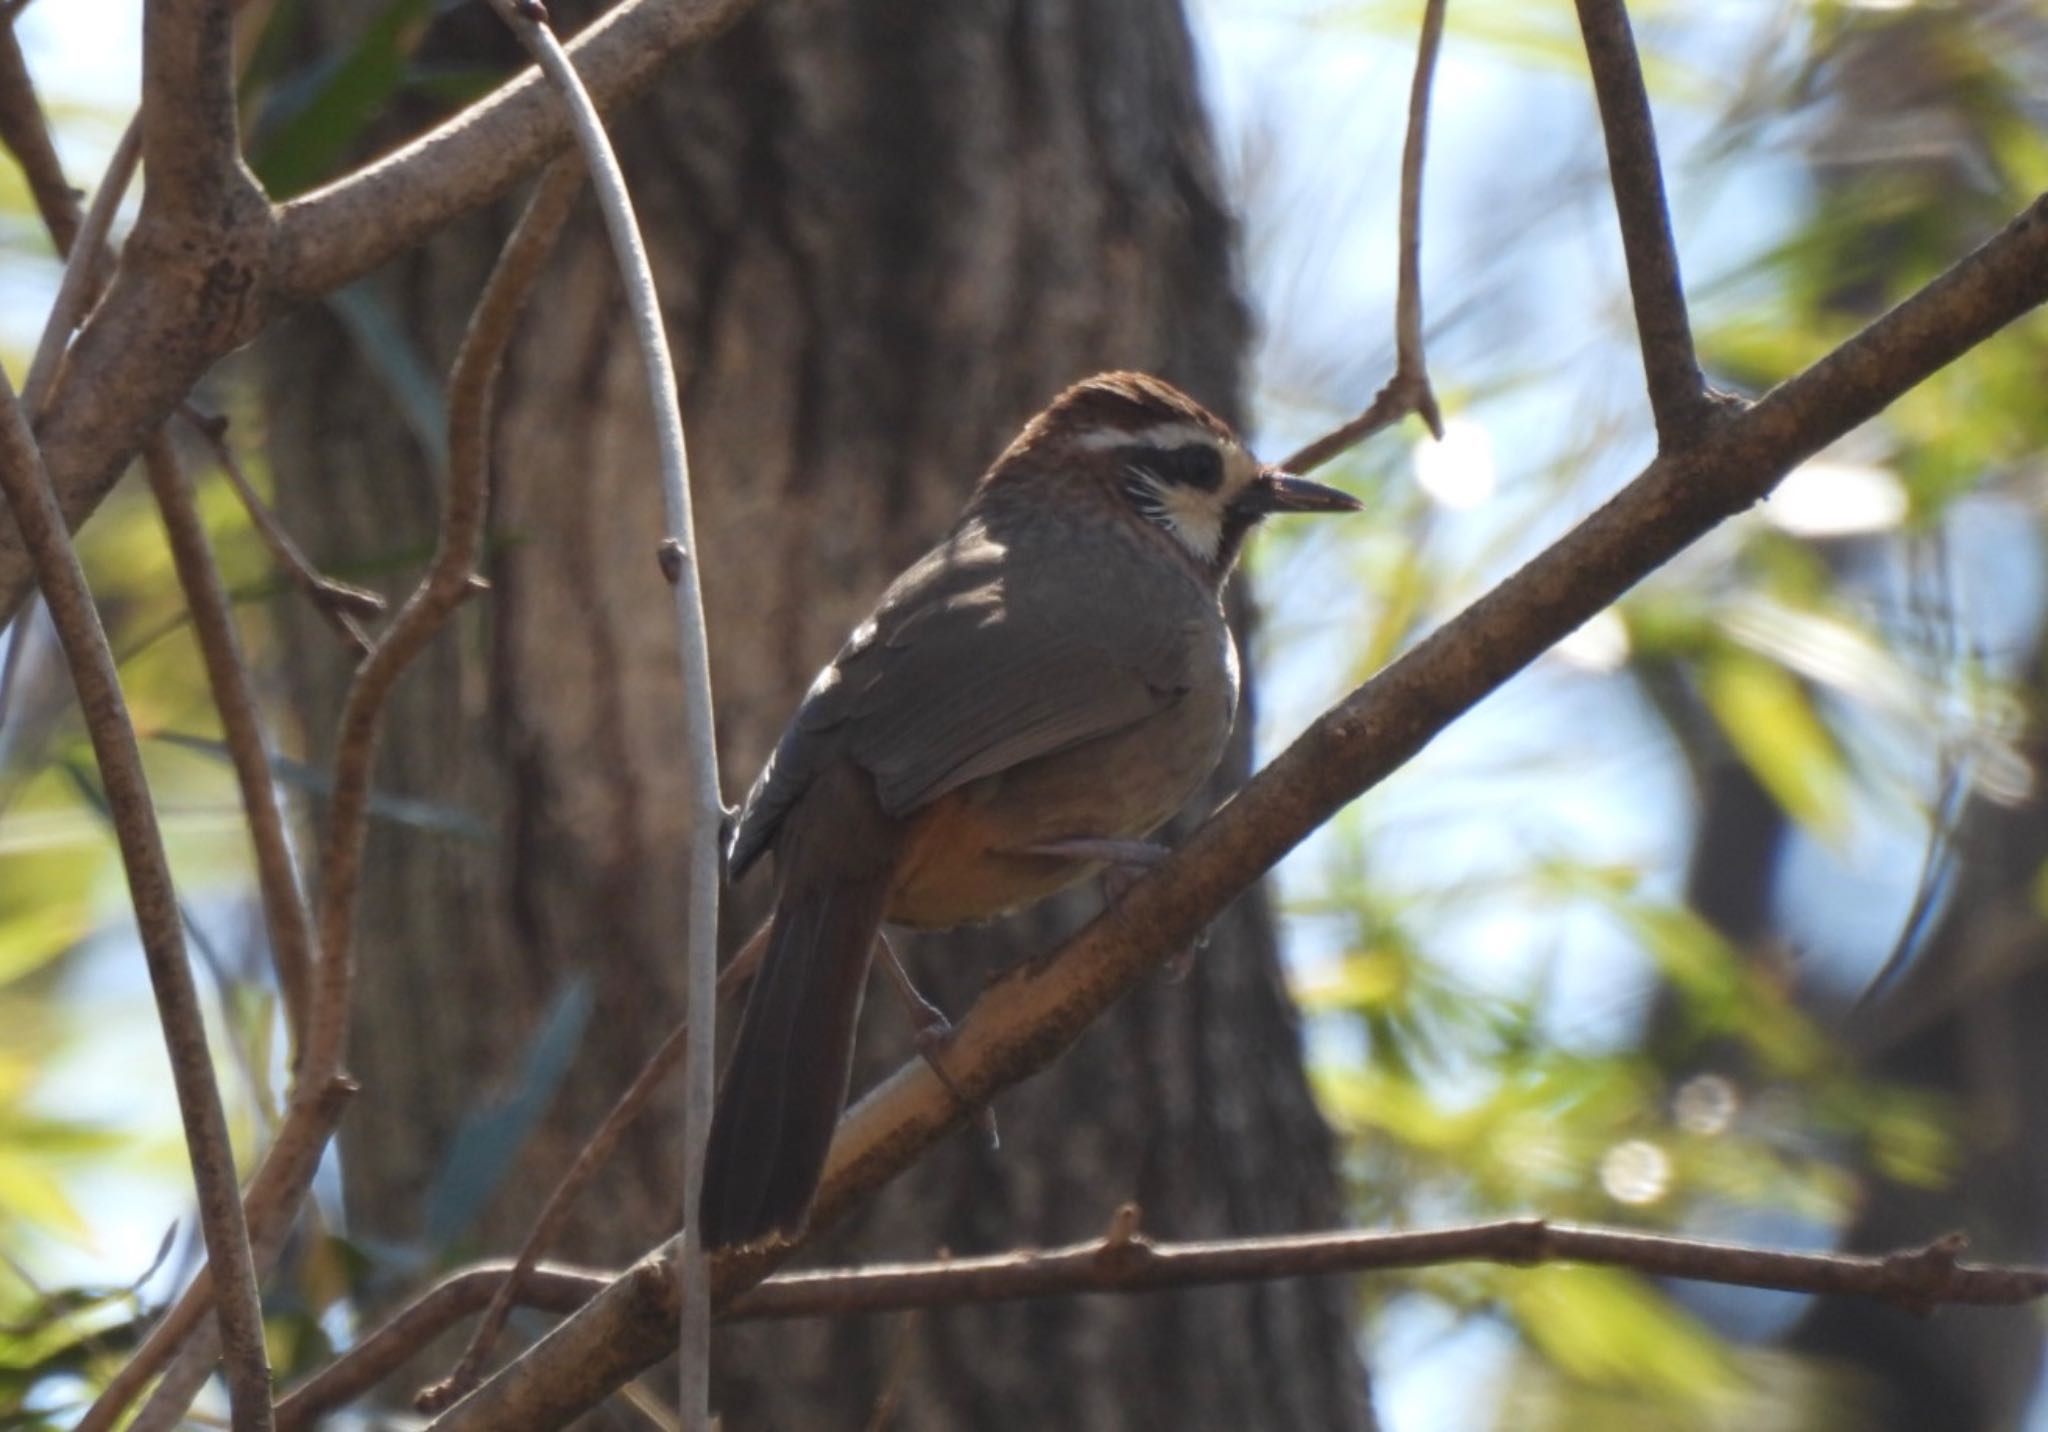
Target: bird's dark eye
[1192, 465]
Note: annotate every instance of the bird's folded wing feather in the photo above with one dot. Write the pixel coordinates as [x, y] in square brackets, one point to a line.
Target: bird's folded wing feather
[963, 674]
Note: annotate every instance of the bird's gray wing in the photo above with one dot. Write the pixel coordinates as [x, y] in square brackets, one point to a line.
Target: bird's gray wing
[962, 673]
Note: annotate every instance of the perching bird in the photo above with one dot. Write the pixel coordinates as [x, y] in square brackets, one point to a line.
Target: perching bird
[1055, 676]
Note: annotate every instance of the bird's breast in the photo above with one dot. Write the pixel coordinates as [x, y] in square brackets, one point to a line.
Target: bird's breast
[965, 861]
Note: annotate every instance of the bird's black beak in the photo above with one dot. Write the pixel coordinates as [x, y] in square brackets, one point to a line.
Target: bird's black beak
[1277, 491]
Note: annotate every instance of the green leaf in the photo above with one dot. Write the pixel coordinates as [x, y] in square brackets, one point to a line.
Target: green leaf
[1605, 1326]
[397, 363]
[33, 936]
[489, 1138]
[315, 120]
[1770, 721]
[31, 1193]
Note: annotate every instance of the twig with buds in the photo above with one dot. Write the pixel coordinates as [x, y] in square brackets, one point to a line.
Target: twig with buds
[342, 604]
[676, 554]
[1123, 1260]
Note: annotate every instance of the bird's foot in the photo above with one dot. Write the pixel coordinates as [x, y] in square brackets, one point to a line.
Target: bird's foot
[933, 1034]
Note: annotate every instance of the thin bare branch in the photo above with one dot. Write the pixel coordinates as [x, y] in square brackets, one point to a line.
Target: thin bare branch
[1408, 390]
[220, 647]
[677, 552]
[1678, 394]
[156, 907]
[1124, 1261]
[1408, 361]
[1029, 1016]
[449, 580]
[85, 270]
[84, 247]
[183, 1345]
[552, 1288]
[1393, 402]
[25, 131]
[342, 604]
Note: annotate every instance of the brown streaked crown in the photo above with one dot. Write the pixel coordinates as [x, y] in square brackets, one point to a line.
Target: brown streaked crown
[1156, 457]
[1120, 406]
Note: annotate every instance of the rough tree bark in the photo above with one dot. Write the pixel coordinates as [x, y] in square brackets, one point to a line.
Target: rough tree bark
[885, 233]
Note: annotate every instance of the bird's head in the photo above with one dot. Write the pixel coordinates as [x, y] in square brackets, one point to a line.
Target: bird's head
[1165, 460]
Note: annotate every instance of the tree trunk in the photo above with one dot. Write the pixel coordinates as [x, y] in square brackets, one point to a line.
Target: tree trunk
[885, 234]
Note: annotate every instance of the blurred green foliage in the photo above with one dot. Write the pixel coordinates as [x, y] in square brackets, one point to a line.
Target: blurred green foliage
[1713, 1099]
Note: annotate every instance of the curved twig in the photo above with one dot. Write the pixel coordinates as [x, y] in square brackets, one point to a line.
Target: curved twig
[677, 553]
[220, 648]
[1408, 390]
[551, 1287]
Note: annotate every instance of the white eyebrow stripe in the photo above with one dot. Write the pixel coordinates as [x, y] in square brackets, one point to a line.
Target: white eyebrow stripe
[1164, 436]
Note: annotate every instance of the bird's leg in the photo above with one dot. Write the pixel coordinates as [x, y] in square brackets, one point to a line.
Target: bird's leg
[934, 1032]
[1123, 861]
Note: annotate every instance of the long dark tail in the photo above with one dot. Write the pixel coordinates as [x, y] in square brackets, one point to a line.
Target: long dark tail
[786, 1082]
